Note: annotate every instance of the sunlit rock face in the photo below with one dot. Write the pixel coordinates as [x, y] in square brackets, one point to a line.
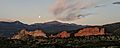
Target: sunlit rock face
[23, 33]
[63, 34]
[90, 31]
[37, 33]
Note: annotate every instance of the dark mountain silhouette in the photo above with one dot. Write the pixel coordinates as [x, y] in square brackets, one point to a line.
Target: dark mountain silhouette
[55, 26]
[113, 28]
[9, 28]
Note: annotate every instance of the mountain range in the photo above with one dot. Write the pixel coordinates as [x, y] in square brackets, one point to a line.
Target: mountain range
[8, 28]
[53, 27]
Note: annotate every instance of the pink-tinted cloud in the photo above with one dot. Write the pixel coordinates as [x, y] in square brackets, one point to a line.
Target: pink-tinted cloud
[6, 20]
[68, 10]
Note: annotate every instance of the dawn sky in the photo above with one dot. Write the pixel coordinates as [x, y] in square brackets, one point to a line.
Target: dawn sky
[37, 11]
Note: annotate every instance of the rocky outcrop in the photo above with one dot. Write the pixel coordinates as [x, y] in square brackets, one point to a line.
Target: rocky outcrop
[90, 31]
[37, 33]
[63, 34]
[23, 33]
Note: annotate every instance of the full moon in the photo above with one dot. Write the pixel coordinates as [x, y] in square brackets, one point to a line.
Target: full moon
[39, 16]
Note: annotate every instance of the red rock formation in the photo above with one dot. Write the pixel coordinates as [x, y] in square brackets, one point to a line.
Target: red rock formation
[21, 34]
[63, 34]
[90, 31]
[32, 33]
[37, 33]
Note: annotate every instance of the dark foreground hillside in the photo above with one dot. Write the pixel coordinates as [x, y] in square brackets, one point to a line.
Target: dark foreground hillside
[100, 41]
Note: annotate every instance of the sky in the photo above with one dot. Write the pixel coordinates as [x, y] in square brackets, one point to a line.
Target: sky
[28, 11]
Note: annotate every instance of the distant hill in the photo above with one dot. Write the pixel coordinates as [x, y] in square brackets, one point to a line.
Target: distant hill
[55, 26]
[7, 28]
[113, 28]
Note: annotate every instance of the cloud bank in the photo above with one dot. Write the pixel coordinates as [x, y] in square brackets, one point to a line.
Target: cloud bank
[69, 10]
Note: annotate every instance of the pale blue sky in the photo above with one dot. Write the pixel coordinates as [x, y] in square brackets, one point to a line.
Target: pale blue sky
[28, 11]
